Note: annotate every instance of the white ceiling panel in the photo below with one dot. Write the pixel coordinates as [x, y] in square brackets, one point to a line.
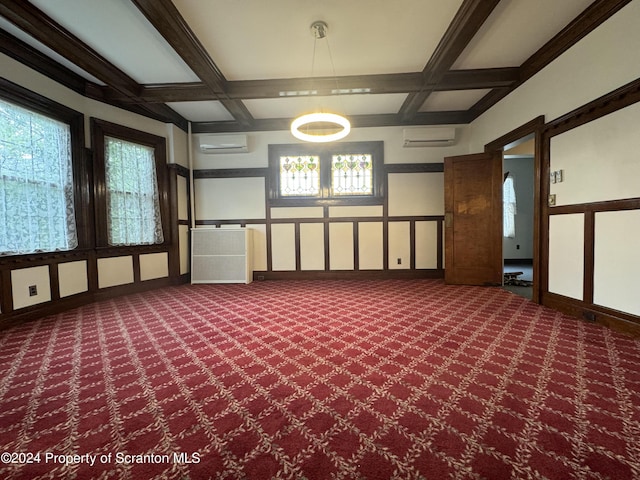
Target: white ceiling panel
[29, 40]
[346, 104]
[516, 30]
[122, 35]
[452, 100]
[210, 111]
[248, 41]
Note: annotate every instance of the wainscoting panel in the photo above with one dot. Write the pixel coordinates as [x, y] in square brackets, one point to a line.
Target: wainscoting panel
[370, 246]
[259, 246]
[73, 278]
[154, 265]
[617, 259]
[566, 255]
[312, 246]
[426, 245]
[399, 245]
[341, 247]
[115, 271]
[283, 247]
[23, 278]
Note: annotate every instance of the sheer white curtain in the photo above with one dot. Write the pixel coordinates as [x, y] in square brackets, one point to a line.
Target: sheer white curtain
[509, 210]
[36, 183]
[133, 206]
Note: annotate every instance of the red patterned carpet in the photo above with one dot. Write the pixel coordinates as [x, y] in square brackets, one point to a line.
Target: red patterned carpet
[325, 380]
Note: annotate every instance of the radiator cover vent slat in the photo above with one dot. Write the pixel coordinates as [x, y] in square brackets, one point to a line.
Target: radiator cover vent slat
[221, 255]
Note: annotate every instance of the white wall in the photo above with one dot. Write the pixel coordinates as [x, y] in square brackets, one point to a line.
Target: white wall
[600, 160]
[409, 194]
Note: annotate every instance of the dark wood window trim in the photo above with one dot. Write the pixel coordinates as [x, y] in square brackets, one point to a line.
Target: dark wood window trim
[324, 151]
[100, 129]
[20, 96]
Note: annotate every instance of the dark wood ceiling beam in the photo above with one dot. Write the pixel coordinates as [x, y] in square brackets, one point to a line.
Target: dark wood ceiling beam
[357, 121]
[41, 27]
[469, 18]
[166, 18]
[361, 84]
[592, 17]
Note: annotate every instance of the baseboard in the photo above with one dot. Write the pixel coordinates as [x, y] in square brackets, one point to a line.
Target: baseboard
[348, 274]
[613, 319]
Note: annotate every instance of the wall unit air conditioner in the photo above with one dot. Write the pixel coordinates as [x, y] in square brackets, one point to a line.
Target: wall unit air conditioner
[429, 137]
[223, 143]
[221, 255]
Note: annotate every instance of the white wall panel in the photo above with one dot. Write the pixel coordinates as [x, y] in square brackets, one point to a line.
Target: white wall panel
[370, 246]
[617, 260]
[283, 247]
[259, 246]
[312, 246]
[229, 198]
[23, 278]
[72, 278]
[183, 199]
[341, 246]
[115, 271]
[154, 265]
[356, 211]
[599, 160]
[297, 212]
[183, 238]
[399, 245]
[416, 194]
[566, 255]
[426, 245]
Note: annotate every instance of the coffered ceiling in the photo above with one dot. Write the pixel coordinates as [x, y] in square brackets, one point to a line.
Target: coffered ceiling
[243, 65]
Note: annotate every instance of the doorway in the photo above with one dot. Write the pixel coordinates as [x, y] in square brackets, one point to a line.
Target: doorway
[518, 216]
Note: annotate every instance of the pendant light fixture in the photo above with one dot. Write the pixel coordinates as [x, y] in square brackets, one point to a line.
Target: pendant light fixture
[319, 127]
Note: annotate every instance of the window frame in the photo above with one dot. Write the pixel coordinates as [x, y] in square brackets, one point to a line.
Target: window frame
[101, 129]
[325, 152]
[29, 100]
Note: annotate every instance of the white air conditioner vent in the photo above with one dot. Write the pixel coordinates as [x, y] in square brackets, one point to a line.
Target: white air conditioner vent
[429, 137]
[223, 143]
[221, 255]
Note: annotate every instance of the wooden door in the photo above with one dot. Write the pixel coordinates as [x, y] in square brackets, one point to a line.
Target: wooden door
[473, 219]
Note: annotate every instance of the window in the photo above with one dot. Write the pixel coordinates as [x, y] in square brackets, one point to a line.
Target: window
[130, 165]
[340, 173]
[37, 142]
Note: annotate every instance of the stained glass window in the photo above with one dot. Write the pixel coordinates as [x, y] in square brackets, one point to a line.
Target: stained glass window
[300, 176]
[352, 174]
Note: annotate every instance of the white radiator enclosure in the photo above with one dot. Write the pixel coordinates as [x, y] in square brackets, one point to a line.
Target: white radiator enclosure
[221, 255]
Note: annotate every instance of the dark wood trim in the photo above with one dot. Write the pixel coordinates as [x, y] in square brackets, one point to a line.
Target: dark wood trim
[356, 245]
[470, 17]
[348, 274]
[589, 251]
[6, 295]
[414, 167]
[324, 152]
[616, 320]
[620, 98]
[168, 21]
[592, 17]
[231, 173]
[472, 79]
[604, 206]
[40, 26]
[534, 127]
[99, 130]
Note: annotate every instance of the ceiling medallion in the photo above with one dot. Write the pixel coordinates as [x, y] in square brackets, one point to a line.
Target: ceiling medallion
[320, 127]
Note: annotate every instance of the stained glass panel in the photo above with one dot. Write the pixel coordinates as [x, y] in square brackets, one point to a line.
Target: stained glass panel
[352, 174]
[300, 176]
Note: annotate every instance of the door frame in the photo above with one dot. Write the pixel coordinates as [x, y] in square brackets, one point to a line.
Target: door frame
[535, 127]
